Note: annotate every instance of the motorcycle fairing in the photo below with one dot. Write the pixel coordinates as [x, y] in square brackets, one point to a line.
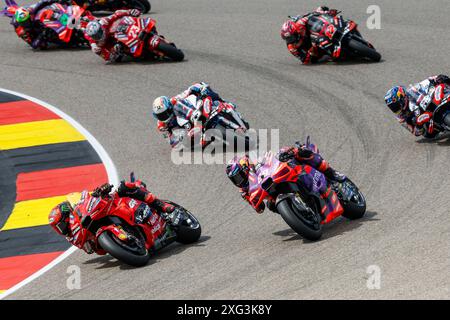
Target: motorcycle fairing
[270, 171]
[129, 36]
[69, 15]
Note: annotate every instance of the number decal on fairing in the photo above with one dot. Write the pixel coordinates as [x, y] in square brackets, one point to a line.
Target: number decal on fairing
[330, 31]
[134, 31]
[438, 95]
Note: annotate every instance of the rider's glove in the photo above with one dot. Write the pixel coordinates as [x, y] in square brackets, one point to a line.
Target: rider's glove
[135, 13]
[196, 116]
[96, 49]
[136, 190]
[303, 152]
[103, 190]
[118, 49]
[261, 208]
[287, 154]
[271, 206]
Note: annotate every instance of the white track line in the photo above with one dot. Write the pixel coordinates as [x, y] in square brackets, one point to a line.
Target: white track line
[110, 169]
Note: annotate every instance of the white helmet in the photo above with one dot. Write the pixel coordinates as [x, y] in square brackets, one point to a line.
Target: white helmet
[163, 109]
[94, 30]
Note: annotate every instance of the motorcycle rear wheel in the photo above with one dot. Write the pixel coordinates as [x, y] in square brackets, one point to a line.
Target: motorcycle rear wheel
[142, 5]
[363, 50]
[170, 51]
[113, 247]
[186, 234]
[352, 210]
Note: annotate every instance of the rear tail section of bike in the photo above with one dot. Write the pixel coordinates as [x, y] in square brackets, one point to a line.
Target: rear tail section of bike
[185, 224]
[163, 48]
[351, 199]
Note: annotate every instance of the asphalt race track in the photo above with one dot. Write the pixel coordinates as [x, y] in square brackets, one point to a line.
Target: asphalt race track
[236, 47]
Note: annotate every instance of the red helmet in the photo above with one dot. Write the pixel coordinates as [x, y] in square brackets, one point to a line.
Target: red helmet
[290, 33]
[59, 218]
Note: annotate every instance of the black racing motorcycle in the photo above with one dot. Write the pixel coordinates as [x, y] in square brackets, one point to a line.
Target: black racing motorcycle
[340, 38]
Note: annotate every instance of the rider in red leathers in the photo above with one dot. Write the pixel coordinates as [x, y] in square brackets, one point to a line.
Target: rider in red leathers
[100, 31]
[296, 33]
[238, 171]
[60, 215]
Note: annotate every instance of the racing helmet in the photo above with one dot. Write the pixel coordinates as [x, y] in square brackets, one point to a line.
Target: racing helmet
[396, 99]
[289, 32]
[238, 170]
[163, 109]
[59, 218]
[21, 15]
[94, 30]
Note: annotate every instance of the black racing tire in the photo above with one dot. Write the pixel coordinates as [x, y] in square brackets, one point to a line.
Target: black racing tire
[352, 210]
[170, 51]
[446, 119]
[186, 235]
[142, 5]
[288, 214]
[432, 135]
[114, 249]
[363, 50]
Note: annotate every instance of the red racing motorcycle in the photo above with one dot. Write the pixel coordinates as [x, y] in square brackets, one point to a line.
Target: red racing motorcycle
[140, 39]
[340, 38]
[106, 223]
[303, 210]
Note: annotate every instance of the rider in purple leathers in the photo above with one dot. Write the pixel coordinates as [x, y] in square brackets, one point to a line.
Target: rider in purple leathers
[239, 169]
[166, 111]
[413, 105]
[29, 30]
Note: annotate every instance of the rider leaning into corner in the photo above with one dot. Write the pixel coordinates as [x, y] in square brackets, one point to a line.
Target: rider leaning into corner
[296, 34]
[99, 33]
[166, 110]
[30, 30]
[413, 105]
[59, 217]
[238, 171]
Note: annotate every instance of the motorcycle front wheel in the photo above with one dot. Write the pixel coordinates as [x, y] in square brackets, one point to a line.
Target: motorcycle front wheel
[133, 255]
[305, 223]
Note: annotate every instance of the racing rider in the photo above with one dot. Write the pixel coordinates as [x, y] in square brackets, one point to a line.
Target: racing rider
[166, 110]
[296, 33]
[238, 171]
[59, 217]
[413, 105]
[99, 32]
[31, 31]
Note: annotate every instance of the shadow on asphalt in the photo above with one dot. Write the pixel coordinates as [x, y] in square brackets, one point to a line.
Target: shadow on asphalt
[107, 261]
[334, 228]
[441, 140]
[126, 60]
